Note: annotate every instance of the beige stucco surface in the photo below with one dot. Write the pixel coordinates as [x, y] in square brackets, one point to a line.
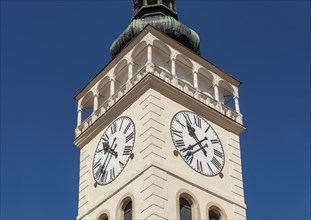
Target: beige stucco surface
[150, 90]
[155, 176]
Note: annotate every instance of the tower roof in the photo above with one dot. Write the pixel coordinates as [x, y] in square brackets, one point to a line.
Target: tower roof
[162, 15]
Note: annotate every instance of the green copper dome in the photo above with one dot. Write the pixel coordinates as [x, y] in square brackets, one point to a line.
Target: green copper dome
[161, 15]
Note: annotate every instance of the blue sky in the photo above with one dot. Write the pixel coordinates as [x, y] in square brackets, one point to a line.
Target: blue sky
[51, 49]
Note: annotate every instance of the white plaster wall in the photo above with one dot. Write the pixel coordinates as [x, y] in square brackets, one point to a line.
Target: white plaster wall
[155, 175]
[154, 189]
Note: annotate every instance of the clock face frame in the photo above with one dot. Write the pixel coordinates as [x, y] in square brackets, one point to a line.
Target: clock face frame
[113, 150]
[197, 143]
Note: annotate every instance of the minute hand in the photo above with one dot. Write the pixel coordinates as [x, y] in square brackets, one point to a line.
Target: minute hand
[191, 131]
[193, 145]
[200, 145]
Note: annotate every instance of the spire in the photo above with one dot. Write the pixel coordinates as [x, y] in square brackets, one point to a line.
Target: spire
[162, 15]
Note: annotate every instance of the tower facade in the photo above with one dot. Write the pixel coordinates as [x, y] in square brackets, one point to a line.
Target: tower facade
[160, 142]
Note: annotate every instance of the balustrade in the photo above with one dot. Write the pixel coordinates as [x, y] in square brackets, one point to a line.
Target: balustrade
[166, 76]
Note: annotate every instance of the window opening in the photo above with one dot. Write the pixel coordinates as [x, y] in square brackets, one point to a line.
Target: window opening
[103, 217]
[128, 212]
[212, 215]
[185, 209]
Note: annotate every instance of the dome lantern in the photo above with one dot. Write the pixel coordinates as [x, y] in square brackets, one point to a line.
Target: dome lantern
[162, 15]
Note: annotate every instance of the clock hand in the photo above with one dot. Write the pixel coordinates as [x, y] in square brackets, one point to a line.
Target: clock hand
[109, 155]
[191, 131]
[106, 148]
[113, 152]
[106, 145]
[189, 156]
[205, 146]
[192, 146]
[200, 145]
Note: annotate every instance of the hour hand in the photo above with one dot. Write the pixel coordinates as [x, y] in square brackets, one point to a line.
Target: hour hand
[105, 146]
[191, 130]
[200, 145]
[193, 145]
[114, 153]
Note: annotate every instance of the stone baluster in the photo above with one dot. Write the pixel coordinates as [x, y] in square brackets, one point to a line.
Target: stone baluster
[96, 100]
[173, 66]
[195, 79]
[173, 69]
[149, 54]
[79, 120]
[236, 103]
[216, 91]
[112, 86]
[130, 70]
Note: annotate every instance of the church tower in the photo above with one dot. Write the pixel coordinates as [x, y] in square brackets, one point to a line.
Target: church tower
[160, 140]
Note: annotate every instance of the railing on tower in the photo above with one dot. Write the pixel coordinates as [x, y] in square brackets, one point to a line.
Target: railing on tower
[170, 79]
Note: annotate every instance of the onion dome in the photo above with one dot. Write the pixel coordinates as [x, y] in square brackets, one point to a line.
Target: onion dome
[161, 14]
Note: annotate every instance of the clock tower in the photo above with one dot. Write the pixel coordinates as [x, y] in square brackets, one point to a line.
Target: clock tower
[158, 127]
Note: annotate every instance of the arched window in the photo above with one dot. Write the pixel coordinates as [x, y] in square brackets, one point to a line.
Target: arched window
[212, 215]
[185, 209]
[215, 212]
[128, 211]
[103, 217]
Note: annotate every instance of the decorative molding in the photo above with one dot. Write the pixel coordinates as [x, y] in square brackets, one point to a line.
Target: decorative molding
[168, 78]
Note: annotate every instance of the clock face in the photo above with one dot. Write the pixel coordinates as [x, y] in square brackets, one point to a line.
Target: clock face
[113, 150]
[197, 143]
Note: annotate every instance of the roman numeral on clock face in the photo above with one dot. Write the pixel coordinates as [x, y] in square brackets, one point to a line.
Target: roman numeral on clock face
[121, 164]
[177, 133]
[186, 116]
[96, 164]
[126, 128]
[188, 157]
[98, 172]
[179, 143]
[127, 150]
[182, 125]
[215, 141]
[216, 163]
[129, 137]
[105, 137]
[218, 153]
[199, 166]
[112, 174]
[104, 176]
[210, 169]
[113, 128]
[113, 150]
[121, 124]
[197, 121]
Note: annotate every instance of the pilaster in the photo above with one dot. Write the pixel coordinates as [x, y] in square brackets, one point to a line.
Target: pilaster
[153, 182]
[152, 124]
[154, 194]
[84, 180]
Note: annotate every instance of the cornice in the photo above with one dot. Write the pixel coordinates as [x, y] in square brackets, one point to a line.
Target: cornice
[150, 81]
